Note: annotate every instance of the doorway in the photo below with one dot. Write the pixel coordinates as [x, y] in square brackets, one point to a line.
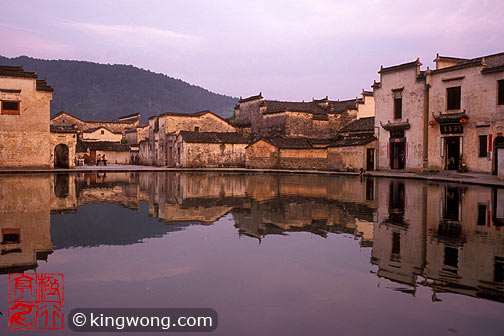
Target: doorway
[61, 185]
[452, 153]
[397, 154]
[498, 143]
[370, 159]
[452, 204]
[61, 156]
[93, 156]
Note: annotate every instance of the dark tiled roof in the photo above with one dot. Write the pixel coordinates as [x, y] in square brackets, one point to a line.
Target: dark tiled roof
[273, 106]
[191, 115]
[495, 63]
[400, 67]
[92, 121]
[130, 116]
[104, 146]
[213, 137]
[449, 118]
[321, 141]
[341, 106]
[244, 100]
[312, 107]
[63, 112]
[10, 90]
[449, 59]
[463, 65]
[16, 71]
[135, 129]
[63, 129]
[42, 86]
[289, 143]
[178, 114]
[323, 100]
[490, 63]
[362, 124]
[91, 130]
[401, 125]
[493, 69]
[353, 140]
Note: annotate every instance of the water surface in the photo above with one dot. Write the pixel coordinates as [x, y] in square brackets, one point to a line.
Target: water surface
[272, 254]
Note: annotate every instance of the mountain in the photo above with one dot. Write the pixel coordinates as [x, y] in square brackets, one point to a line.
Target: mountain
[93, 91]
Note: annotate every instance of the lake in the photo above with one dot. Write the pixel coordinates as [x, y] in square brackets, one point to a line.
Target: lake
[273, 254]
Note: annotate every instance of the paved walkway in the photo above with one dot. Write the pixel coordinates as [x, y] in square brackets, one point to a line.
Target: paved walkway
[444, 176]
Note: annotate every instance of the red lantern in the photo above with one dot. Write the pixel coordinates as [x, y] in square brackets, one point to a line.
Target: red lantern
[432, 122]
[464, 121]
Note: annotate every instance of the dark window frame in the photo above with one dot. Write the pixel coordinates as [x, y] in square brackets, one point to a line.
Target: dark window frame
[453, 98]
[498, 269]
[398, 108]
[483, 148]
[11, 236]
[500, 92]
[9, 111]
[482, 214]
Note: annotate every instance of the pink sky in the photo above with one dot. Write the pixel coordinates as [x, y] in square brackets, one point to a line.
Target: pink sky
[289, 50]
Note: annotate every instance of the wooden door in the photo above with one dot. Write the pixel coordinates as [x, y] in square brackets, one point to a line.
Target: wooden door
[93, 156]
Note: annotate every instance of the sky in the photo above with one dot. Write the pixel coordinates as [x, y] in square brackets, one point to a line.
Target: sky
[288, 50]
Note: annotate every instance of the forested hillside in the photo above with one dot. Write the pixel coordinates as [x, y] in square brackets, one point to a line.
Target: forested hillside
[102, 92]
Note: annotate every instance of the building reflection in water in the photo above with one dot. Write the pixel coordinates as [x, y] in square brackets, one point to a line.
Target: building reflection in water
[447, 237]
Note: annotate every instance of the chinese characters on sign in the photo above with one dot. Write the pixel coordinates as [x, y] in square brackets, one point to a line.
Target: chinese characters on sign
[36, 301]
[451, 129]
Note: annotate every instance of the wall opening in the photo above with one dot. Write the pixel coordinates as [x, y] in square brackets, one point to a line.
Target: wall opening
[61, 158]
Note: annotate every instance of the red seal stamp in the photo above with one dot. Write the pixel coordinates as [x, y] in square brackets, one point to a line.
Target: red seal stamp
[36, 300]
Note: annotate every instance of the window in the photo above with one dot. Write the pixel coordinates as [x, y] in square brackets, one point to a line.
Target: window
[102, 132]
[500, 92]
[397, 108]
[396, 247]
[453, 98]
[10, 107]
[196, 128]
[482, 213]
[483, 146]
[397, 94]
[10, 236]
[369, 189]
[499, 269]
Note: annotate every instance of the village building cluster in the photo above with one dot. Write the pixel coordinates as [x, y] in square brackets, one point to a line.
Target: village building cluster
[447, 118]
